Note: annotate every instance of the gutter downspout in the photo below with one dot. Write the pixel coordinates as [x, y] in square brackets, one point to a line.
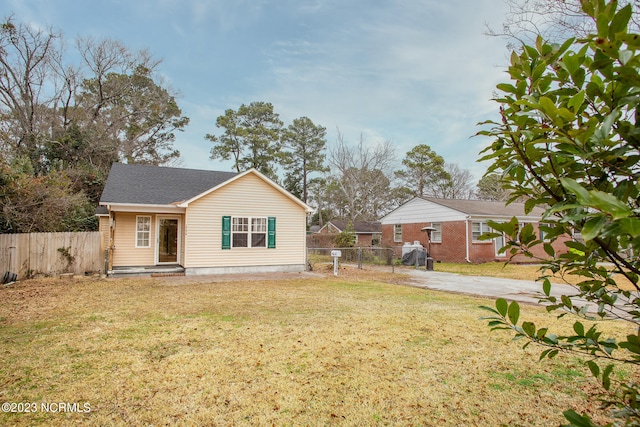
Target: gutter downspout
[466, 239]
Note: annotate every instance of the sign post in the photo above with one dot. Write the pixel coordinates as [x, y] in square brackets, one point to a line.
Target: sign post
[335, 254]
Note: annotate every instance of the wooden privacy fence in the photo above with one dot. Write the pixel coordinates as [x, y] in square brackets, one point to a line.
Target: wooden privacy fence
[30, 254]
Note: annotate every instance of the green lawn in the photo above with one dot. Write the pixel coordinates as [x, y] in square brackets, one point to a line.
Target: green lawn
[309, 350]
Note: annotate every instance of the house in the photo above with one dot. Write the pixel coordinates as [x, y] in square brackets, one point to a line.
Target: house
[367, 233]
[200, 221]
[456, 226]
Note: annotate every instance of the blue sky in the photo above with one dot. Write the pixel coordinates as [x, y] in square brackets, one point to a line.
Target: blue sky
[407, 71]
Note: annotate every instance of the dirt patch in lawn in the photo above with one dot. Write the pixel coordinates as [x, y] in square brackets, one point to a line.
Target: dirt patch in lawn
[296, 349]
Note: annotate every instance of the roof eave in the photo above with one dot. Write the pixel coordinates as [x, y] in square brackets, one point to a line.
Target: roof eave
[143, 207]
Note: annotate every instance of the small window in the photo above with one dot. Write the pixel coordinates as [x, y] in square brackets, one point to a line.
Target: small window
[478, 229]
[436, 234]
[397, 233]
[240, 232]
[258, 232]
[143, 232]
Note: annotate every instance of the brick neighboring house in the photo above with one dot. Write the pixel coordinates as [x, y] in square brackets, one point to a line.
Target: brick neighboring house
[458, 224]
[367, 233]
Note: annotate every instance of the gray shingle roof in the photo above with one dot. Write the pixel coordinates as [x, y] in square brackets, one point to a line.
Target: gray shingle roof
[485, 207]
[156, 185]
[363, 227]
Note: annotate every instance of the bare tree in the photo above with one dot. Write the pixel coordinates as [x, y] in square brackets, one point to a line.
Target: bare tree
[25, 70]
[457, 185]
[362, 177]
[554, 20]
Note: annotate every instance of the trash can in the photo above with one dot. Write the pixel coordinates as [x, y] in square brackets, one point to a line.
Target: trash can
[429, 264]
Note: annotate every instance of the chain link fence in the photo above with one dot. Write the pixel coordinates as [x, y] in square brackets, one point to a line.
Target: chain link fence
[357, 256]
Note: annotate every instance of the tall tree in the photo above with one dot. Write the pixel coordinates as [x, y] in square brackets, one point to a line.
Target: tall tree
[78, 118]
[361, 178]
[457, 184]
[25, 71]
[306, 154]
[568, 142]
[251, 138]
[490, 188]
[122, 107]
[423, 171]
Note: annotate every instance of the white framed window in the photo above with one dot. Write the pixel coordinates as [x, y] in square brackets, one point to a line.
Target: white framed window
[258, 232]
[240, 232]
[143, 231]
[478, 229]
[397, 232]
[248, 232]
[436, 234]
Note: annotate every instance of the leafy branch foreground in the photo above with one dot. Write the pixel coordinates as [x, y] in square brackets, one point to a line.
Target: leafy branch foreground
[569, 142]
[304, 350]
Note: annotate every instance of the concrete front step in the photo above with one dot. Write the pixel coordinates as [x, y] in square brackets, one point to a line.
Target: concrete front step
[151, 270]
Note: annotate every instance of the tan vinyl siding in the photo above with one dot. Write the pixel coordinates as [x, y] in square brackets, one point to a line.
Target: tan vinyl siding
[103, 227]
[249, 196]
[125, 252]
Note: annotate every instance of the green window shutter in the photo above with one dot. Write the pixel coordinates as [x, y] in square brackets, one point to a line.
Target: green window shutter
[271, 232]
[226, 232]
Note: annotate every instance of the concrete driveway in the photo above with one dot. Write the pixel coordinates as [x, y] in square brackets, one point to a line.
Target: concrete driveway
[523, 291]
[491, 287]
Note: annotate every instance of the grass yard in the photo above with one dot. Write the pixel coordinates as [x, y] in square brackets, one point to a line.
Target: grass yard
[354, 350]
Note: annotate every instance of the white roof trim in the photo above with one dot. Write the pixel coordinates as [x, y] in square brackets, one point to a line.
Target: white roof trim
[306, 207]
[141, 207]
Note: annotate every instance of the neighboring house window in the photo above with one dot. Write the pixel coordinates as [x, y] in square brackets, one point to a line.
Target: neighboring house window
[436, 234]
[248, 232]
[397, 233]
[143, 231]
[544, 230]
[478, 229]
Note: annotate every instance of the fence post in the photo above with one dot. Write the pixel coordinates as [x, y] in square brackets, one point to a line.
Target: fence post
[360, 258]
[106, 261]
[393, 260]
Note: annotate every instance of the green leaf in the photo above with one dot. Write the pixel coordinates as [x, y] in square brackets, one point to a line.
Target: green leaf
[594, 368]
[514, 312]
[608, 203]
[548, 248]
[506, 87]
[576, 101]
[620, 20]
[579, 328]
[502, 306]
[581, 193]
[571, 62]
[630, 226]
[577, 420]
[592, 227]
[529, 328]
[606, 381]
